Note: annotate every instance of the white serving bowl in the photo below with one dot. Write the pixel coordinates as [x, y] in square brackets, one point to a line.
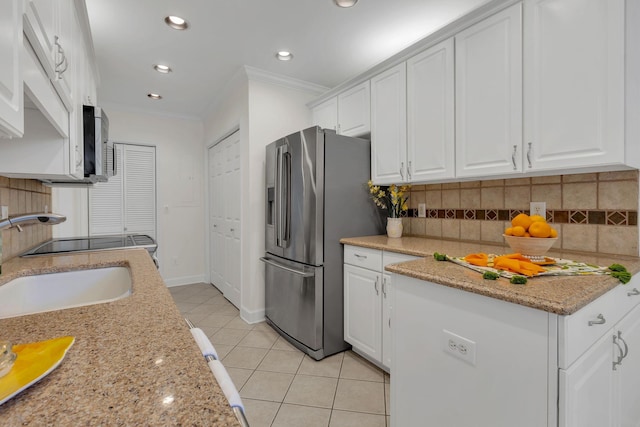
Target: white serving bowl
[530, 246]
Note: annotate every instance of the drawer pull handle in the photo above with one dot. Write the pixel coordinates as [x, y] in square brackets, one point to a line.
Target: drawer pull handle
[601, 321]
[626, 347]
[360, 256]
[633, 292]
[513, 157]
[620, 356]
[384, 287]
[376, 287]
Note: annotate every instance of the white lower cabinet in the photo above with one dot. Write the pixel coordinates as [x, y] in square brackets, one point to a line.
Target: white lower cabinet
[519, 366]
[368, 302]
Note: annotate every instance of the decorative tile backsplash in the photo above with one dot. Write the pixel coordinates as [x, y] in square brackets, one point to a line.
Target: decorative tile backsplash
[23, 196]
[595, 212]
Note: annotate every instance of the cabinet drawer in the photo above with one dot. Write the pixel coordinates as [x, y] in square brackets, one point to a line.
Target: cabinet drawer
[394, 258]
[363, 257]
[575, 335]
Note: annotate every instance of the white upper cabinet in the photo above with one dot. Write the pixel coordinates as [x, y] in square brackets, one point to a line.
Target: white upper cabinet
[348, 113]
[11, 93]
[49, 28]
[353, 111]
[574, 83]
[430, 113]
[489, 96]
[389, 127]
[325, 115]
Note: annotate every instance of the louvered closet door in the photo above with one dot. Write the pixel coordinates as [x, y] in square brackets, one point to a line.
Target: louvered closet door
[106, 206]
[139, 173]
[127, 202]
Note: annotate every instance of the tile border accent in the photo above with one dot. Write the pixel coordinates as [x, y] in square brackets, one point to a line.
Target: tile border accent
[562, 216]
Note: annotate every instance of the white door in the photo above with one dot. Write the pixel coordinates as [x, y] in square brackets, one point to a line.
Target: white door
[586, 395]
[127, 202]
[11, 90]
[574, 83]
[430, 113]
[353, 111]
[489, 96]
[363, 311]
[224, 208]
[139, 173]
[628, 374]
[389, 126]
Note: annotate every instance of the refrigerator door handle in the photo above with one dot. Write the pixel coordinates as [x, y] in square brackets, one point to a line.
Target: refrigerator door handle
[286, 193]
[290, 270]
[278, 219]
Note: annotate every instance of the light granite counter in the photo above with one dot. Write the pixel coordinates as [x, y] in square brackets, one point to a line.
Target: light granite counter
[134, 361]
[558, 294]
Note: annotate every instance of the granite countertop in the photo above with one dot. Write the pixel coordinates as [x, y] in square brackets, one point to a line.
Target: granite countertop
[133, 362]
[562, 295]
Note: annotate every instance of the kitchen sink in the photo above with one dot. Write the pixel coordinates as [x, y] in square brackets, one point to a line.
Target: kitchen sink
[57, 291]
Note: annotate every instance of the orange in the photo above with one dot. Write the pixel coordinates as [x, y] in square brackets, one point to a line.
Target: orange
[554, 233]
[540, 229]
[509, 231]
[518, 231]
[523, 220]
[526, 234]
[535, 218]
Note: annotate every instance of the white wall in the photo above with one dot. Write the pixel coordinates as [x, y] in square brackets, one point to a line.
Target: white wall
[265, 107]
[180, 196]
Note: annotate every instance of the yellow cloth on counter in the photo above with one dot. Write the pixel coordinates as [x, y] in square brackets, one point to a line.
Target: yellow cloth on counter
[515, 263]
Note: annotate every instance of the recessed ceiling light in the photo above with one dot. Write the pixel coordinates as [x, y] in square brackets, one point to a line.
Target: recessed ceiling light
[284, 55]
[176, 22]
[345, 3]
[164, 69]
[154, 96]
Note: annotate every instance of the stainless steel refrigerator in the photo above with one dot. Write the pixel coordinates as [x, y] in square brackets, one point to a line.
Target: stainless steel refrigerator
[316, 194]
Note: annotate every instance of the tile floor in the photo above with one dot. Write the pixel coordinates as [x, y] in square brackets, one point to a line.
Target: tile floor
[279, 385]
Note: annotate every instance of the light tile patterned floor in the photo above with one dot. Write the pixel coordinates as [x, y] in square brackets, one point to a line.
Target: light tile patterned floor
[279, 385]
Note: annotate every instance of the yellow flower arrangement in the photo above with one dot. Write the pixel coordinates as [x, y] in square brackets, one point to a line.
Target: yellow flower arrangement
[391, 198]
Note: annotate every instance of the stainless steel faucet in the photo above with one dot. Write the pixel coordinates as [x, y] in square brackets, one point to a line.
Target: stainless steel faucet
[30, 219]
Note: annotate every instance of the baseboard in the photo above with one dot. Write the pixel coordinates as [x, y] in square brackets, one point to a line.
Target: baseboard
[184, 280]
[256, 316]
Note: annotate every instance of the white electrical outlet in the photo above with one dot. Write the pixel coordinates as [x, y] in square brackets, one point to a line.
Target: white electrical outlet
[538, 208]
[422, 210]
[460, 347]
[4, 212]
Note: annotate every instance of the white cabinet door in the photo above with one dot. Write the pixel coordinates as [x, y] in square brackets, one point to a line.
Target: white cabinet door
[430, 113]
[489, 96]
[11, 91]
[627, 375]
[586, 395]
[389, 126]
[325, 115]
[40, 28]
[363, 310]
[353, 111]
[574, 83]
[387, 308]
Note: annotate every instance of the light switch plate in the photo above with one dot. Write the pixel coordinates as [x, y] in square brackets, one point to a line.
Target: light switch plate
[4, 212]
[422, 210]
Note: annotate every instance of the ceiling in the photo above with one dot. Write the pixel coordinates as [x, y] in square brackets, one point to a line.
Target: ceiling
[330, 44]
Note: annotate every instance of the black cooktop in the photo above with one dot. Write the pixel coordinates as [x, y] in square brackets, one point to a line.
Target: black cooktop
[97, 243]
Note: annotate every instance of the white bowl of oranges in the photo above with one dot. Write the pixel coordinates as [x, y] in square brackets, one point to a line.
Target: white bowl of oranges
[530, 236]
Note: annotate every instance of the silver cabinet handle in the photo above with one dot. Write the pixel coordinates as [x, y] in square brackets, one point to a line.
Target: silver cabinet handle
[626, 347]
[376, 286]
[290, 270]
[231, 230]
[402, 170]
[384, 287]
[513, 157]
[360, 256]
[529, 154]
[621, 356]
[601, 320]
[409, 170]
[633, 292]
[63, 60]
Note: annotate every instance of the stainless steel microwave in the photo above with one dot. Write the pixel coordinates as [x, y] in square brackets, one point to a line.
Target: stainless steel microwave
[99, 152]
